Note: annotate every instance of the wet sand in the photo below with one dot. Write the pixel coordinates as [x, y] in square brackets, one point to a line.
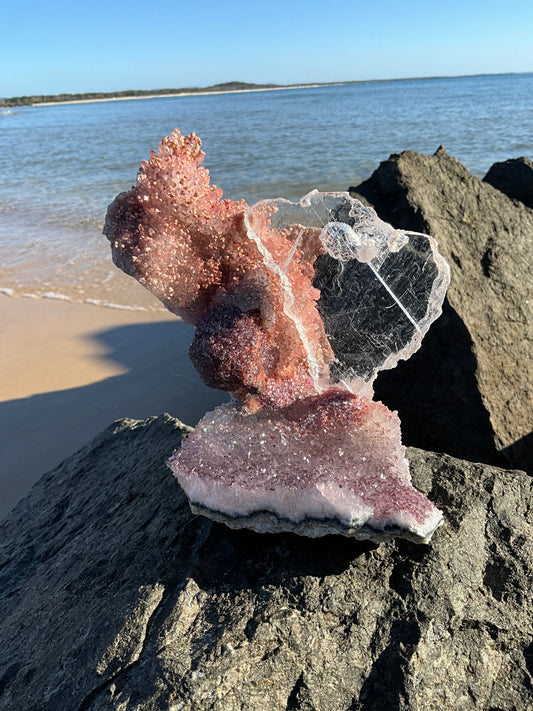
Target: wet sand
[68, 370]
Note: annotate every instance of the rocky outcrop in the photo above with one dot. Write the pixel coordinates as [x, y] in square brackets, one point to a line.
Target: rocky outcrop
[114, 596]
[514, 177]
[468, 391]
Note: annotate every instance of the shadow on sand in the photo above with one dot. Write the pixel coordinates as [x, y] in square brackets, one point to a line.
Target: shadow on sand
[38, 432]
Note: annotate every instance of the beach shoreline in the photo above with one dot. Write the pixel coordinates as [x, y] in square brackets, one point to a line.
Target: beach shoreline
[185, 93]
[15, 102]
[69, 370]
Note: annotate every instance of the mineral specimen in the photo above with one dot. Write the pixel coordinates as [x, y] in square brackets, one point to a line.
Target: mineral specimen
[297, 306]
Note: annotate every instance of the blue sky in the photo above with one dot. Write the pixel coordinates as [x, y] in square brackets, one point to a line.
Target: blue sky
[67, 46]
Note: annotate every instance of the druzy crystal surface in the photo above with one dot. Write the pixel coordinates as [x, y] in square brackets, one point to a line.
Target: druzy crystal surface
[297, 306]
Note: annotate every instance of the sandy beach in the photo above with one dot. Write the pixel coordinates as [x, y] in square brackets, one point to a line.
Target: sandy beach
[69, 370]
[187, 93]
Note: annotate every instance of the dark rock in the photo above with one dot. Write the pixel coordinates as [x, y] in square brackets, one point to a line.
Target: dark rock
[114, 596]
[468, 391]
[514, 177]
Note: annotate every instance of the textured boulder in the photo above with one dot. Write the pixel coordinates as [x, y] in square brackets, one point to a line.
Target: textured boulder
[514, 177]
[468, 391]
[114, 596]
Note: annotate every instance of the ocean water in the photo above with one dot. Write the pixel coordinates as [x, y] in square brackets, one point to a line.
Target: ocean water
[61, 165]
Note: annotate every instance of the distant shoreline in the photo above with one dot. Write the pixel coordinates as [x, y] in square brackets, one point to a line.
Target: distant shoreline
[183, 93]
[226, 88]
[92, 97]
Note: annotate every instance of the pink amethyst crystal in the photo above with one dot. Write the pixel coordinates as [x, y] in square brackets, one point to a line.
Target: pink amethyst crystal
[297, 306]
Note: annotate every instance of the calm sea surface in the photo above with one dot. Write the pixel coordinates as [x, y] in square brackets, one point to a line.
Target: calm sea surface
[61, 165]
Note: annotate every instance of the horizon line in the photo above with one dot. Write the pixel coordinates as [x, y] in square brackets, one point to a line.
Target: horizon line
[222, 87]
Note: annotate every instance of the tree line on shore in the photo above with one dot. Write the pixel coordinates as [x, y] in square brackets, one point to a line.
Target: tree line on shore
[128, 93]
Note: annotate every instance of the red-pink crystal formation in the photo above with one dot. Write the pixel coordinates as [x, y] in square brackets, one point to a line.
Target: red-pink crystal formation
[297, 453]
[177, 237]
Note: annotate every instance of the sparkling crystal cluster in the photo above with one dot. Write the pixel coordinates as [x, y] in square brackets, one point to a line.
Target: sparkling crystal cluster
[297, 306]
